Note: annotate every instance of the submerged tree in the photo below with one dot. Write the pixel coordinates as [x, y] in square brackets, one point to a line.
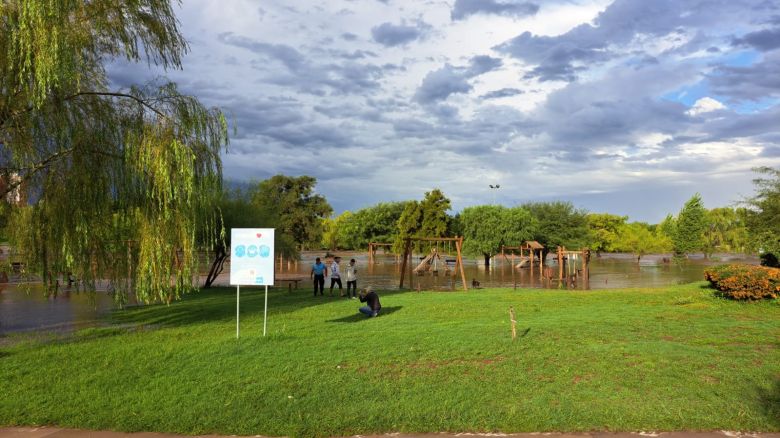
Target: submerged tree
[121, 182]
[487, 227]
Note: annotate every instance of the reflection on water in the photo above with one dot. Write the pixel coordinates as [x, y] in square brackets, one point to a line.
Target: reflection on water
[607, 272]
[22, 310]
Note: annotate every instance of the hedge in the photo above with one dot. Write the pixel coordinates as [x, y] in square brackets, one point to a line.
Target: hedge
[744, 282]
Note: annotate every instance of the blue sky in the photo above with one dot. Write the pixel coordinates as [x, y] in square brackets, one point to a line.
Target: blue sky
[624, 106]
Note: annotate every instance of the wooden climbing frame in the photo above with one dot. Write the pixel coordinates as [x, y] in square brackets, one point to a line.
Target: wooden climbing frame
[407, 256]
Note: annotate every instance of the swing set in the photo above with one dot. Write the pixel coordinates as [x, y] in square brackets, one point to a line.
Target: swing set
[433, 262]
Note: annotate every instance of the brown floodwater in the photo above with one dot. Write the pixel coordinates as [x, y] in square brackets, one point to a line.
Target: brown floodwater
[29, 309]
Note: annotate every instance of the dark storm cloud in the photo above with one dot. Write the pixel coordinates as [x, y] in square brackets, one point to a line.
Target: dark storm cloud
[440, 84]
[348, 36]
[564, 56]
[290, 57]
[347, 77]
[464, 8]
[758, 81]
[390, 35]
[764, 40]
[504, 92]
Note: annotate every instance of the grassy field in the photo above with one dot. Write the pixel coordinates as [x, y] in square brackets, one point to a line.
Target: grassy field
[619, 360]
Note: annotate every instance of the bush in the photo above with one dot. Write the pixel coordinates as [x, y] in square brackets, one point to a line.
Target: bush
[744, 282]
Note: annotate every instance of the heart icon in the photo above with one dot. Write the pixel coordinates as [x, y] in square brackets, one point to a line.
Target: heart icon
[259, 235]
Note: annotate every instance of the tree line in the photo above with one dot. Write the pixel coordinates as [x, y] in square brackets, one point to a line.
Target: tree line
[305, 221]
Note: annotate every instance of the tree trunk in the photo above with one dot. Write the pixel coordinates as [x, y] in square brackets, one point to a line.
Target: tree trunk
[220, 255]
[487, 260]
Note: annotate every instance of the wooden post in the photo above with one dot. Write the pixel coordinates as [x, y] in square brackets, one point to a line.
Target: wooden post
[560, 263]
[513, 322]
[458, 245]
[403, 262]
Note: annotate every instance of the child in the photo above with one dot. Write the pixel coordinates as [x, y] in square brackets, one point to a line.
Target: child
[351, 273]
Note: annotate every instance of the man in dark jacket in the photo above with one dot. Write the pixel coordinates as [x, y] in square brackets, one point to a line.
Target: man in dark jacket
[373, 307]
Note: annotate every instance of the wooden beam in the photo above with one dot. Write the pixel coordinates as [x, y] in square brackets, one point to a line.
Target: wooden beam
[403, 265]
[458, 244]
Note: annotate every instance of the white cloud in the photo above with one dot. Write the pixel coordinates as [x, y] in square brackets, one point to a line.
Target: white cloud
[705, 105]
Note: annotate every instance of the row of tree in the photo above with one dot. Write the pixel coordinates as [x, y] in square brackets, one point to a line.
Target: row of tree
[486, 228]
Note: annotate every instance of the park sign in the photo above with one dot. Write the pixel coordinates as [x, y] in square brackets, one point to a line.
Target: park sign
[252, 256]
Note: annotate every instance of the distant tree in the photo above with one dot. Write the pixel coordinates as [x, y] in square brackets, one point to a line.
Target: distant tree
[604, 229]
[427, 218]
[334, 235]
[725, 231]
[559, 223]
[300, 210]
[638, 239]
[435, 220]
[486, 227]
[378, 223]
[763, 218]
[689, 227]
[238, 211]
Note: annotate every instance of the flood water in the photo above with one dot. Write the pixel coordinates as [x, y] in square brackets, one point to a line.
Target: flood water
[28, 309]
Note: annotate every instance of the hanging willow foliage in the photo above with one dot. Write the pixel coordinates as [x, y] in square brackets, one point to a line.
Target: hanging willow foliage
[122, 184]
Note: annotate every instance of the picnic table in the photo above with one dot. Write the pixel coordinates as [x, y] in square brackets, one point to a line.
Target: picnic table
[290, 279]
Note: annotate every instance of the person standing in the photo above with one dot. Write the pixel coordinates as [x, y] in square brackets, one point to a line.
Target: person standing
[351, 273]
[335, 276]
[372, 309]
[318, 271]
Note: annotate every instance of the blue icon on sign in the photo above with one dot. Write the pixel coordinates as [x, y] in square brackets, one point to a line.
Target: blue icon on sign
[240, 251]
[265, 251]
[251, 251]
[258, 280]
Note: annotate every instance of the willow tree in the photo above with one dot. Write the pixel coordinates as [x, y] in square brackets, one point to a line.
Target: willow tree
[120, 183]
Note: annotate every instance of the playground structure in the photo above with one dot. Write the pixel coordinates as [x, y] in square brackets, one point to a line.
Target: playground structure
[532, 247]
[567, 261]
[571, 264]
[373, 247]
[432, 262]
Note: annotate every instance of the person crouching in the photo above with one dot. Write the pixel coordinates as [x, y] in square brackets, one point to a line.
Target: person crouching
[372, 299]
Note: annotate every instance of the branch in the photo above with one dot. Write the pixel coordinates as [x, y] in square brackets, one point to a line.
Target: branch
[35, 169]
[124, 95]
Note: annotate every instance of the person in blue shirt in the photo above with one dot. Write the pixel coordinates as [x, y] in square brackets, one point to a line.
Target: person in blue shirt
[318, 271]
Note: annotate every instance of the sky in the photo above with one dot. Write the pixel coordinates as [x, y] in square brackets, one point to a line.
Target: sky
[626, 106]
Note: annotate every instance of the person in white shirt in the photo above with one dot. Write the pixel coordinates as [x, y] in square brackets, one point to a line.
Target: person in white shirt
[351, 273]
[335, 276]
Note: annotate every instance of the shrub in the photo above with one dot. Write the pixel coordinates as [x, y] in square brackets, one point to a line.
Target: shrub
[744, 282]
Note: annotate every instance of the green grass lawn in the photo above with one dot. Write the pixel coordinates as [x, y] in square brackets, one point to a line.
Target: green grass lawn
[619, 360]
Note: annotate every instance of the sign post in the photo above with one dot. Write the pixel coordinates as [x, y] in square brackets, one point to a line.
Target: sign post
[251, 263]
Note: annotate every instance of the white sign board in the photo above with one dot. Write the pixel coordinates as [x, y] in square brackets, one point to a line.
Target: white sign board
[252, 256]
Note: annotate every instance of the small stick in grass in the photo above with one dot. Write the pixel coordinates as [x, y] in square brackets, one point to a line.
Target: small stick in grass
[513, 321]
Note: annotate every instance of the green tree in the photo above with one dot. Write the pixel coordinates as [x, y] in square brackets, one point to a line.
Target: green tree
[725, 231]
[335, 235]
[689, 227]
[604, 229]
[559, 224]
[124, 181]
[378, 223]
[486, 227]
[638, 239]
[238, 211]
[300, 210]
[427, 218]
[763, 218]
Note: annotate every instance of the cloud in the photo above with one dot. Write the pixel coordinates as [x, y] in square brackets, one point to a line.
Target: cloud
[705, 105]
[764, 40]
[465, 8]
[504, 92]
[440, 84]
[752, 82]
[391, 35]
